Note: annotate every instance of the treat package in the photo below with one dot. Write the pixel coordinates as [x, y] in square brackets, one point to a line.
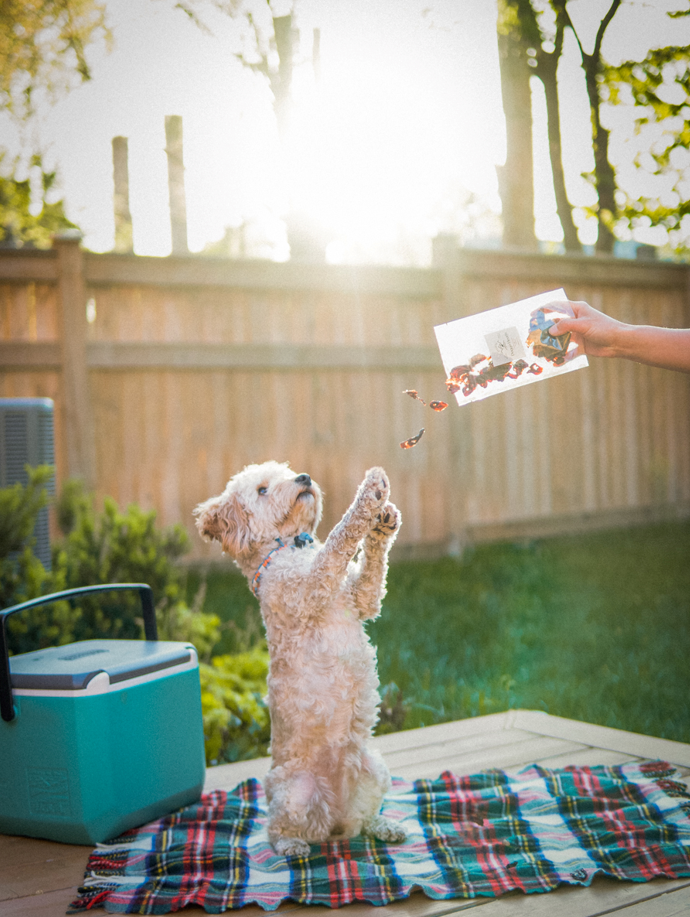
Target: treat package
[504, 348]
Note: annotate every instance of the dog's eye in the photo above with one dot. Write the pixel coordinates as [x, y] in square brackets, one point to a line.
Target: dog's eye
[262, 490]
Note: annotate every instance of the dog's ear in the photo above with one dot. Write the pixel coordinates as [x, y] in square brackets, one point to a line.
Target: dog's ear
[207, 521]
[224, 519]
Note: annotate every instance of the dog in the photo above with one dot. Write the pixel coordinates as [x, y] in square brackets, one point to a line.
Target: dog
[324, 782]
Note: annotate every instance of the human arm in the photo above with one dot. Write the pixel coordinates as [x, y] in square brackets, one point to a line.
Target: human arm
[604, 336]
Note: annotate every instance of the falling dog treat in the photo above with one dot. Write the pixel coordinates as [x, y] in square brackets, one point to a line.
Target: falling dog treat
[412, 441]
[413, 393]
[434, 405]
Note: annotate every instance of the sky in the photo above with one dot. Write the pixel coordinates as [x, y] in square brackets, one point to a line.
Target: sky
[396, 141]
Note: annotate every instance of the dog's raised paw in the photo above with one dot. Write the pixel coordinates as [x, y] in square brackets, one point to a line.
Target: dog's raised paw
[291, 847]
[383, 829]
[387, 522]
[376, 485]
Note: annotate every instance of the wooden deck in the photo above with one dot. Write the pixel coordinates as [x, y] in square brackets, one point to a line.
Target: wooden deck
[40, 878]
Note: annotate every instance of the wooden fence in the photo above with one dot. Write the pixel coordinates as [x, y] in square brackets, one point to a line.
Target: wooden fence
[182, 370]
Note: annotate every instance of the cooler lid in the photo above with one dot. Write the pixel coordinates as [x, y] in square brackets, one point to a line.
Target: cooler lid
[71, 667]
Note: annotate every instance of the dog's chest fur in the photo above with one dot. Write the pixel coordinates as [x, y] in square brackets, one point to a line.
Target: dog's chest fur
[316, 661]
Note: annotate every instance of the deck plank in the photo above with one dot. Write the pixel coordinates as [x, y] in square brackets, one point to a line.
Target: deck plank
[16, 852]
[31, 866]
[37, 878]
[51, 903]
[516, 754]
[456, 747]
[604, 896]
[672, 904]
[603, 737]
[588, 757]
[227, 776]
[440, 733]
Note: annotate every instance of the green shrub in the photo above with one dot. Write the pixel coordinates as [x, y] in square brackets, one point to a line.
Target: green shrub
[227, 596]
[236, 719]
[22, 575]
[117, 547]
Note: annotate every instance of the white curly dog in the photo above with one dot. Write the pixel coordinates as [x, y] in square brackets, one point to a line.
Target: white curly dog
[322, 686]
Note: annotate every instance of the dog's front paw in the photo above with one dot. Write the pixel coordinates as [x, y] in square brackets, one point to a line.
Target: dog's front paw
[375, 488]
[387, 522]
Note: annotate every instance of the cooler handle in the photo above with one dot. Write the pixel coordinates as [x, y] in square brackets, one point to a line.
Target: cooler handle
[147, 606]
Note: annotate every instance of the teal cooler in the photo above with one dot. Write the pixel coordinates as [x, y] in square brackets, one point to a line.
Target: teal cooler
[100, 735]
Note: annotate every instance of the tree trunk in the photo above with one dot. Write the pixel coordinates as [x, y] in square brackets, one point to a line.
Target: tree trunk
[515, 178]
[603, 171]
[302, 233]
[604, 176]
[281, 82]
[547, 71]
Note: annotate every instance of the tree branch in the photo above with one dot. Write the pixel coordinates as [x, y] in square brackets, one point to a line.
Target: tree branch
[603, 25]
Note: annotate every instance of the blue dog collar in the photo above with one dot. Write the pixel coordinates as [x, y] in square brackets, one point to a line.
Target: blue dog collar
[303, 540]
[300, 541]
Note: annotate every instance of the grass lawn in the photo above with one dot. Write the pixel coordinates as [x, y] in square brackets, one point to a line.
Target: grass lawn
[594, 627]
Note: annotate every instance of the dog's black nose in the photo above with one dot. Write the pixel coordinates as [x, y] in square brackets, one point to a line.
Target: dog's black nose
[303, 479]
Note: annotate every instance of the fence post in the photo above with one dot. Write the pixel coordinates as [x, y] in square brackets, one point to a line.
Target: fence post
[176, 189]
[79, 439]
[123, 216]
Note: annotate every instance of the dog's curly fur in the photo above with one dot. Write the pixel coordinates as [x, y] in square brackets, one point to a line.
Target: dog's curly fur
[322, 687]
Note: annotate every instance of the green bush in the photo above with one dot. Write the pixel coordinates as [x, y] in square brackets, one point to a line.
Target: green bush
[236, 719]
[22, 575]
[116, 547]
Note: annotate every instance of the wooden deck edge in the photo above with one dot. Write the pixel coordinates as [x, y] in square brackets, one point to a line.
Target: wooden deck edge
[224, 776]
[534, 721]
[441, 732]
[220, 775]
[604, 896]
[602, 736]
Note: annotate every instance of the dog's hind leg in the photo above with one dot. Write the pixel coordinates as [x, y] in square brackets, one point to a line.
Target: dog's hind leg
[384, 829]
[365, 806]
[299, 811]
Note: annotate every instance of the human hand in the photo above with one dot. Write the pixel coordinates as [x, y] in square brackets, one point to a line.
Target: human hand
[598, 333]
[603, 336]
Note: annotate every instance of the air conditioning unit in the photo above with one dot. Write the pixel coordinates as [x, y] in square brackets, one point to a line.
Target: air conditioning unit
[26, 438]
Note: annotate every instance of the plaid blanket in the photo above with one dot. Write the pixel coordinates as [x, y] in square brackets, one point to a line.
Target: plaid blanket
[485, 834]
